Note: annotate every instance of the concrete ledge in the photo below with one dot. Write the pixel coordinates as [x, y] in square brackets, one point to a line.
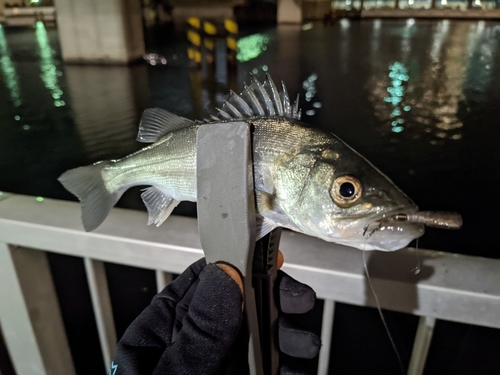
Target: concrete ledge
[431, 13]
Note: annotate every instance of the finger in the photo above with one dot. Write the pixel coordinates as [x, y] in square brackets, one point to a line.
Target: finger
[295, 297]
[296, 341]
[233, 273]
[281, 259]
[209, 328]
[145, 340]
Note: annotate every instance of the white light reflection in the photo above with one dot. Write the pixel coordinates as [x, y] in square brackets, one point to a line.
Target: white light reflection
[345, 23]
[439, 37]
[50, 75]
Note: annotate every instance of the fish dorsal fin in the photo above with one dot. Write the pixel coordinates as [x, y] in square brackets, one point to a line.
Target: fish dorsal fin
[159, 205]
[156, 122]
[258, 100]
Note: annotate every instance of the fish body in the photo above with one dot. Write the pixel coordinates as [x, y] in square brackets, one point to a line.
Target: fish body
[305, 179]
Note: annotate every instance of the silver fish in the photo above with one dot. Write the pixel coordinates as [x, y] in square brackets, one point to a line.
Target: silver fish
[306, 179]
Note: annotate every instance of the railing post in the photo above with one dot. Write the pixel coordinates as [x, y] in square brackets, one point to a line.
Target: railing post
[421, 345]
[162, 280]
[326, 336]
[101, 303]
[31, 320]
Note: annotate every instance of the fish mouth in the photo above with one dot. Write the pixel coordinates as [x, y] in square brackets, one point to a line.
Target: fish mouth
[386, 232]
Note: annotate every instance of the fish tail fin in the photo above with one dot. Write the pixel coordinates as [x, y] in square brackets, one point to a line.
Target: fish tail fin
[88, 185]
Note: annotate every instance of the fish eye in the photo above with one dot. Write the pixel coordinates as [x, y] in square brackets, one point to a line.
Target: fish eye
[346, 190]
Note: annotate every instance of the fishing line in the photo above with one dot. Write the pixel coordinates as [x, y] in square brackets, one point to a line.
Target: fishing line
[381, 314]
[417, 269]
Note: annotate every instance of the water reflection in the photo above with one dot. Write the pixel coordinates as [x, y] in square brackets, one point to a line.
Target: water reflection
[309, 85]
[399, 76]
[461, 61]
[50, 74]
[438, 75]
[251, 46]
[107, 103]
[9, 71]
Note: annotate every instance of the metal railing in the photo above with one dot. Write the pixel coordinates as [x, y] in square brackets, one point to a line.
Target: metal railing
[449, 286]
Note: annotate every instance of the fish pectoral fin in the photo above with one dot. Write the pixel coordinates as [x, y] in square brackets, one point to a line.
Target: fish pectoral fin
[265, 201]
[264, 226]
[156, 122]
[159, 205]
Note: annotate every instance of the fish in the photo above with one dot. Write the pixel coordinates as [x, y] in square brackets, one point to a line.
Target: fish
[306, 179]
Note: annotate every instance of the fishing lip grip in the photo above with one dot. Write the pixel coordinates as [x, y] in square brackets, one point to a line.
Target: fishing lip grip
[227, 226]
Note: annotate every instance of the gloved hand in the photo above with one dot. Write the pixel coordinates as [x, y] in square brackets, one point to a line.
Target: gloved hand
[194, 326]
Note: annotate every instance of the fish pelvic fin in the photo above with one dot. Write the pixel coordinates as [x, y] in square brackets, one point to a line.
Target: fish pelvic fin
[87, 184]
[159, 204]
[258, 99]
[263, 226]
[156, 122]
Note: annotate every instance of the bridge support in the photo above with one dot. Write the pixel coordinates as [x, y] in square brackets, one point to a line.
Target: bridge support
[100, 32]
[289, 11]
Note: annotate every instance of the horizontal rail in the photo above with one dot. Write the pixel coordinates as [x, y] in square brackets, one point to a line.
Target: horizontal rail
[449, 286]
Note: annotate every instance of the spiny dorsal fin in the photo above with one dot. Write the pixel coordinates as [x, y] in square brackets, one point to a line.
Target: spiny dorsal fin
[258, 100]
[156, 122]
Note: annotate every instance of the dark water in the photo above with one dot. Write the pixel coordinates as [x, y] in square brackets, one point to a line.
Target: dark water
[420, 99]
[436, 133]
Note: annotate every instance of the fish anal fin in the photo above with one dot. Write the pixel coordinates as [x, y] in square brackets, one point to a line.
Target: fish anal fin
[159, 204]
[156, 122]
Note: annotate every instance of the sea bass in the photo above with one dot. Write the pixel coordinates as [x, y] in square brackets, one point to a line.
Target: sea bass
[305, 179]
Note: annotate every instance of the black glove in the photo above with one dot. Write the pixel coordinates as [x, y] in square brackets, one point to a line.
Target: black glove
[194, 327]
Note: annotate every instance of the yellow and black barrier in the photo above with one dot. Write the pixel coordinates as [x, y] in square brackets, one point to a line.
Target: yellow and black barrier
[202, 36]
[231, 28]
[194, 38]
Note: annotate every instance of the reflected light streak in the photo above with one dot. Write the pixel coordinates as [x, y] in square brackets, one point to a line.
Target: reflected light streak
[399, 76]
[481, 50]
[50, 74]
[9, 71]
[439, 37]
[251, 46]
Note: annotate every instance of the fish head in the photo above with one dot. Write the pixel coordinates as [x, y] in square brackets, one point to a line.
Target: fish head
[335, 194]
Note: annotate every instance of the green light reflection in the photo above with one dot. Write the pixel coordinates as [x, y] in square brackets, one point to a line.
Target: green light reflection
[399, 75]
[251, 46]
[48, 67]
[9, 71]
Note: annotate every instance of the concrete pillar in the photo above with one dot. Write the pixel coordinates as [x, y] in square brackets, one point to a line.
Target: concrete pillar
[289, 11]
[100, 32]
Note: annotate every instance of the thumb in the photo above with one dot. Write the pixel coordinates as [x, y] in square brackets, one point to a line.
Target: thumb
[209, 328]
